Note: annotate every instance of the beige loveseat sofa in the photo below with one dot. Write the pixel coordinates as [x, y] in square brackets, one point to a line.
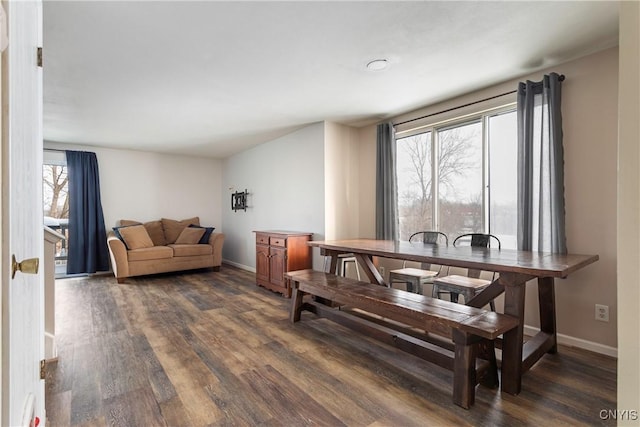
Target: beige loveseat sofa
[162, 246]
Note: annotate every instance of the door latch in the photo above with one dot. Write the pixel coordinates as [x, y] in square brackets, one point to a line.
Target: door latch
[28, 266]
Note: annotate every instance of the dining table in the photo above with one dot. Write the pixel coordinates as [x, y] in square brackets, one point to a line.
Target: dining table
[515, 270]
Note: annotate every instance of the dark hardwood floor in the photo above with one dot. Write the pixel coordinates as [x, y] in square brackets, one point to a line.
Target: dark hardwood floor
[212, 348]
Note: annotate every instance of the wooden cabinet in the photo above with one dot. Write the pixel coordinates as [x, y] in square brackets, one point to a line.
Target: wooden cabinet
[278, 252]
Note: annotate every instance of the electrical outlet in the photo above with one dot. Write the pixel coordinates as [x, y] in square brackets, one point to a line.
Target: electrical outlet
[602, 312]
[382, 271]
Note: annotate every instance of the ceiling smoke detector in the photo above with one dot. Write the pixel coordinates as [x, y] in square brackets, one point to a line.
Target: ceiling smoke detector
[377, 65]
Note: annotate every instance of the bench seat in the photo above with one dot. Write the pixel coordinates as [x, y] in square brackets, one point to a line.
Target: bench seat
[471, 329]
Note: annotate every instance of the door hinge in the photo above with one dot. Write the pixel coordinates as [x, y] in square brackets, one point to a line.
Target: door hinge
[39, 57]
[43, 366]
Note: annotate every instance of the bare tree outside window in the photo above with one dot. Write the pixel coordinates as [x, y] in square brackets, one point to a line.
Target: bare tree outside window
[55, 194]
[457, 162]
[460, 179]
[55, 191]
[414, 184]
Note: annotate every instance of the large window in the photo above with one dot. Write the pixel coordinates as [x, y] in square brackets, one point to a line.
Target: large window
[460, 177]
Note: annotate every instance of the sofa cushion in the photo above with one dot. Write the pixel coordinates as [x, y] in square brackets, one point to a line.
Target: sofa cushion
[173, 228]
[191, 250]
[207, 233]
[190, 236]
[135, 237]
[154, 228]
[156, 232]
[156, 252]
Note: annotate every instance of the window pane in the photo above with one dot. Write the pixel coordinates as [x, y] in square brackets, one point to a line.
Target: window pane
[460, 179]
[56, 208]
[414, 184]
[55, 191]
[503, 151]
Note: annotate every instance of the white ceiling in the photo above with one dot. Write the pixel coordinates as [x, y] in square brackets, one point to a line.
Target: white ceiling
[214, 78]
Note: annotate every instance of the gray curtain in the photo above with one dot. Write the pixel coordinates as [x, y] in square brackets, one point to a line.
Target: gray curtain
[386, 186]
[541, 212]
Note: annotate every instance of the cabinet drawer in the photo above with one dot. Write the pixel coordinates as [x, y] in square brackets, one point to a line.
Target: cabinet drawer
[262, 238]
[278, 241]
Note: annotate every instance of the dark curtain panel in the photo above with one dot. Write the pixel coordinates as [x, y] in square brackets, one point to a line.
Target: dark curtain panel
[87, 244]
[386, 186]
[541, 211]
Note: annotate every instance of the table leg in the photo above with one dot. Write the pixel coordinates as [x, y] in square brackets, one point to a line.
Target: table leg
[333, 263]
[514, 293]
[370, 269]
[547, 302]
[333, 269]
[296, 303]
[488, 294]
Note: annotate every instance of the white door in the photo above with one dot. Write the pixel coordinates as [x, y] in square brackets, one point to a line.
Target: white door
[22, 227]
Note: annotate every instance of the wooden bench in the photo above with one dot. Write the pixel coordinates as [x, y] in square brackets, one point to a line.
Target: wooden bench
[409, 321]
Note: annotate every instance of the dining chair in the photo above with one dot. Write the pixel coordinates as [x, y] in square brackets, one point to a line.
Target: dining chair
[415, 278]
[470, 285]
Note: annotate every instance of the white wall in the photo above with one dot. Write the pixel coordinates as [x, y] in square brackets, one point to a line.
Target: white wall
[285, 181]
[367, 176]
[146, 186]
[341, 181]
[590, 120]
[629, 212]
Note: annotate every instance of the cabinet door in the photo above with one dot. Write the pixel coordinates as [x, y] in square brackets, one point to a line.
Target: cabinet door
[262, 262]
[278, 265]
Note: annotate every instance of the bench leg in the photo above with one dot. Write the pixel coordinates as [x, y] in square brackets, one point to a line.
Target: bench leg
[464, 370]
[487, 351]
[296, 302]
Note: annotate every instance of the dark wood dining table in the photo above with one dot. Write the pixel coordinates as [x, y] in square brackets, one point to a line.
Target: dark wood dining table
[515, 268]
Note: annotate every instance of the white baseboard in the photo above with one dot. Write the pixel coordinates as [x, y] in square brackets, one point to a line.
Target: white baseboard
[241, 266]
[578, 343]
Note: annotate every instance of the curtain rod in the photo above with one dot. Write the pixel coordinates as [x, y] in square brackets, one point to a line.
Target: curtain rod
[561, 78]
[54, 149]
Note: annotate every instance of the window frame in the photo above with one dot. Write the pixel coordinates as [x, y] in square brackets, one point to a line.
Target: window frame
[482, 116]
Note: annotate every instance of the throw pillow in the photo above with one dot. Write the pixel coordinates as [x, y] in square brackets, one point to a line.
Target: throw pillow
[154, 228]
[136, 237]
[173, 228]
[205, 237]
[116, 231]
[190, 236]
